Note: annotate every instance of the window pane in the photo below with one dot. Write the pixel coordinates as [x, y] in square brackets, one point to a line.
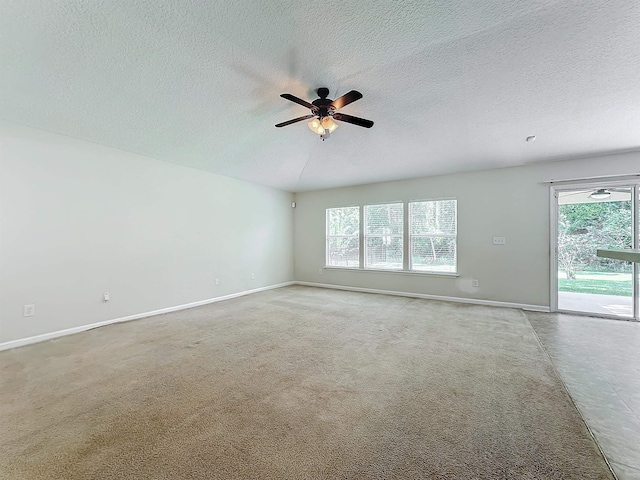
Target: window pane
[433, 217]
[343, 252]
[383, 219]
[384, 252]
[343, 221]
[432, 241]
[383, 236]
[433, 254]
[343, 233]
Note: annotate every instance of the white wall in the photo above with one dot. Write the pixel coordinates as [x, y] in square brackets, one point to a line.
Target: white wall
[78, 219]
[509, 202]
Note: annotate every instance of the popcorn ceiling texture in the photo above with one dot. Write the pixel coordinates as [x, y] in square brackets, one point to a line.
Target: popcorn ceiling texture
[296, 383]
[451, 85]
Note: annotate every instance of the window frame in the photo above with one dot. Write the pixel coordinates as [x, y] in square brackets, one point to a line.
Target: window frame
[406, 243]
[435, 235]
[357, 235]
[401, 235]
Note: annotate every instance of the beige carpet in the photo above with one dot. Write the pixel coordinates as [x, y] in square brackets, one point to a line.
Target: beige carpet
[295, 383]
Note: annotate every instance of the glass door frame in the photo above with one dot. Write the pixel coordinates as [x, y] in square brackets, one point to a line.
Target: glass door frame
[634, 185]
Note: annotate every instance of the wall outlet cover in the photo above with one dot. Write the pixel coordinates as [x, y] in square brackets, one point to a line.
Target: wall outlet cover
[29, 310]
[499, 240]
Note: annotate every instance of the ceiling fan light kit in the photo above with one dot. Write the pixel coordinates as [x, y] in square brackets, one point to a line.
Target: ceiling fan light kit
[324, 112]
[600, 194]
[329, 124]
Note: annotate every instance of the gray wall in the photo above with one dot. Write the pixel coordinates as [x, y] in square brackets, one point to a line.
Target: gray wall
[79, 219]
[508, 202]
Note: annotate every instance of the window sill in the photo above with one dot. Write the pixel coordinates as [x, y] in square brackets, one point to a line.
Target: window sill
[400, 272]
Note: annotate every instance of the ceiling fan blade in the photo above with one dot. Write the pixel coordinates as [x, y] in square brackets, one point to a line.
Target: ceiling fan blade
[346, 99]
[299, 101]
[295, 120]
[361, 122]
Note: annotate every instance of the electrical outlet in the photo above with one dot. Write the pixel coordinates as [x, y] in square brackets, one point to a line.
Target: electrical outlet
[499, 240]
[253, 276]
[217, 282]
[29, 310]
[474, 282]
[320, 271]
[107, 297]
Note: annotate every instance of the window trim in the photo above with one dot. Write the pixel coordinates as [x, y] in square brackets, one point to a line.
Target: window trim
[396, 235]
[406, 245]
[435, 235]
[395, 272]
[327, 237]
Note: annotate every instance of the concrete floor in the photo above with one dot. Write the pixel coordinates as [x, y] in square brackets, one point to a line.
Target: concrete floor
[599, 362]
[596, 303]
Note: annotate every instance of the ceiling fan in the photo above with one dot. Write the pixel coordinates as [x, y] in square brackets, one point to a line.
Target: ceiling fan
[324, 111]
[599, 193]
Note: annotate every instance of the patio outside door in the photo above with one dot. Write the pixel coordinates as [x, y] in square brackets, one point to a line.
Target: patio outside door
[589, 219]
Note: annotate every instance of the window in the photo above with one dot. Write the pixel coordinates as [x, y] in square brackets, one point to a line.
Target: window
[383, 234]
[433, 236]
[418, 236]
[343, 237]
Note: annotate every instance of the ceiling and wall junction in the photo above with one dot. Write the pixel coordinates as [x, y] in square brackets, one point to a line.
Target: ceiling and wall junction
[451, 85]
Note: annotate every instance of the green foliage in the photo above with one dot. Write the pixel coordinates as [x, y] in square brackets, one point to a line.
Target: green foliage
[343, 221]
[583, 228]
[433, 228]
[433, 217]
[384, 219]
[343, 229]
[433, 251]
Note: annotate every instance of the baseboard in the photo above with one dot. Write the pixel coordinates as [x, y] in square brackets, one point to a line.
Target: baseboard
[70, 331]
[492, 303]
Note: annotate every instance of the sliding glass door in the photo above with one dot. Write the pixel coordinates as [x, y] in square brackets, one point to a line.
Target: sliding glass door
[589, 219]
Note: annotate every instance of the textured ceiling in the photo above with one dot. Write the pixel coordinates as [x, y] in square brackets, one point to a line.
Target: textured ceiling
[452, 85]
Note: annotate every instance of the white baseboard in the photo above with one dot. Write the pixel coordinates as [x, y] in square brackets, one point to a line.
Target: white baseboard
[70, 331]
[492, 303]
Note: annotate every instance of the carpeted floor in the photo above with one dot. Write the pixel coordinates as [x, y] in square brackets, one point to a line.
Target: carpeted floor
[295, 383]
